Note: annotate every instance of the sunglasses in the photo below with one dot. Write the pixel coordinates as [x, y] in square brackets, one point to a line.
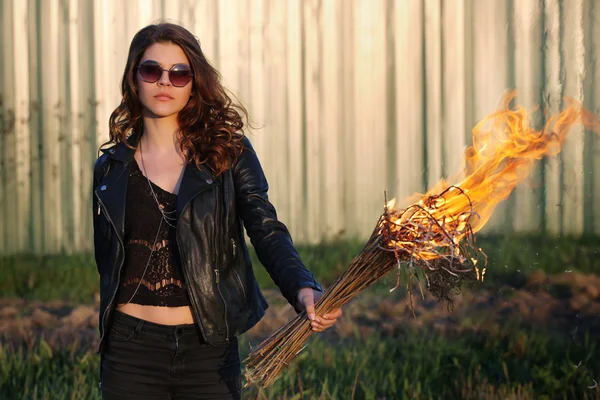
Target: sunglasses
[179, 74]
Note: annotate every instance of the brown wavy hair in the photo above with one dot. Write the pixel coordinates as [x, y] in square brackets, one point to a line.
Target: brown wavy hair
[210, 125]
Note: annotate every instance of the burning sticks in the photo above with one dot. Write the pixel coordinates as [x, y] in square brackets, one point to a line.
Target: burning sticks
[435, 234]
[413, 236]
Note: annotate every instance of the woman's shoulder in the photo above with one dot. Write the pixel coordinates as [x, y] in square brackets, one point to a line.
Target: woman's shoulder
[101, 166]
[242, 138]
[245, 142]
[100, 161]
[247, 164]
[103, 160]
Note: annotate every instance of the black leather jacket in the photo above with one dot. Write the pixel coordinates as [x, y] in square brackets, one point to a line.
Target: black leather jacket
[211, 213]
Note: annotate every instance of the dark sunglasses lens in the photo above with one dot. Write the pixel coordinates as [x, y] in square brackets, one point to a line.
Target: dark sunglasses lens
[180, 77]
[150, 73]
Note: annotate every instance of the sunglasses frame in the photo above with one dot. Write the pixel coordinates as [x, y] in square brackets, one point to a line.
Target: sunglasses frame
[155, 64]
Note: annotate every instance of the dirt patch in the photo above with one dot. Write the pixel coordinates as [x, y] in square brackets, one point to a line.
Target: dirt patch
[57, 322]
[568, 303]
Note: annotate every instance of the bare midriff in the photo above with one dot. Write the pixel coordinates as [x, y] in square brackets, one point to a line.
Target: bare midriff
[159, 315]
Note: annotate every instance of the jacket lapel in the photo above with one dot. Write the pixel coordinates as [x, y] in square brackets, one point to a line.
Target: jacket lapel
[112, 190]
[194, 181]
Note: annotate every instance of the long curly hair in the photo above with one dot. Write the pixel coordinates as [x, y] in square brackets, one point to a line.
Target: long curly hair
[210, 125]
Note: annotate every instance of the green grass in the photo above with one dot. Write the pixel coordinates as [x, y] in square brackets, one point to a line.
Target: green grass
[49, 277]
[510, 261]
[75, 277]
[414, 365]
[41, 373]
[508, 362]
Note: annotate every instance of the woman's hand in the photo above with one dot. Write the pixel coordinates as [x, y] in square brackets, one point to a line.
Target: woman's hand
[307, 297]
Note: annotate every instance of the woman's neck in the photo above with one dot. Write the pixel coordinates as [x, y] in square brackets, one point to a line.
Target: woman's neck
[160, 135]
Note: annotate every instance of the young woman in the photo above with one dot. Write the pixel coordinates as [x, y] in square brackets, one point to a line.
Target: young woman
[172, 196]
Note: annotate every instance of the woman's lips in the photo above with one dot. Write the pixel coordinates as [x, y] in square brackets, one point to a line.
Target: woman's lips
[163, 97]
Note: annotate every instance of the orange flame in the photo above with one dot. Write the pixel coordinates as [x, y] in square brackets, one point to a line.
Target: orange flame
[504, 151]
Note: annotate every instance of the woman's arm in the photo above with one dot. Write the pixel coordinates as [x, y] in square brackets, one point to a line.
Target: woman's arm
[269, 236]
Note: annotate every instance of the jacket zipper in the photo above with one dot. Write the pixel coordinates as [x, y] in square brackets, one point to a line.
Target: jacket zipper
[119, 274]
[189, 292]
[107, 309]
[185, 270]
[224, 303]
[215, 263]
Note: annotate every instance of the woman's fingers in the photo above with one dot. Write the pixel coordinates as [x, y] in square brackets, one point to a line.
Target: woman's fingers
[316, 327]
[334, 314]
[321, 323]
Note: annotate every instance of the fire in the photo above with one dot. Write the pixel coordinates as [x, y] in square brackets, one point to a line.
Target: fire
[435, 232]
[504, 151]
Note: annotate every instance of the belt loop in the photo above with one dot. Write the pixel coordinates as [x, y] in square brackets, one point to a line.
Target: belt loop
[138, 329]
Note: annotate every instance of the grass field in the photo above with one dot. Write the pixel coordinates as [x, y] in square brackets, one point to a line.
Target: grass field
[509, 361]
[511, 364]
[510, 260]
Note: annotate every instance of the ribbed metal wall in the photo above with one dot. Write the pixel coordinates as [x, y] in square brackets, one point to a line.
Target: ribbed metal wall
[355, 97]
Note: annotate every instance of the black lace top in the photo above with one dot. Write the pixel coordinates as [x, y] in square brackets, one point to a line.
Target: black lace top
[163, 283]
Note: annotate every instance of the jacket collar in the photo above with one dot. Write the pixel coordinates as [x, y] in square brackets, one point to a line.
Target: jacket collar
[113, 196]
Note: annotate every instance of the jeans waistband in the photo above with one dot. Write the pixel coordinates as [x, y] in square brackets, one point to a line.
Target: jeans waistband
[141, 325]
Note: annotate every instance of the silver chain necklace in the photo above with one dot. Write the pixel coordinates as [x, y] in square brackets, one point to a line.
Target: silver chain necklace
[166, 216]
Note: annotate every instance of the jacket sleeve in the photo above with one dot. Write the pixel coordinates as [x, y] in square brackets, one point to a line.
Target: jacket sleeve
[269, 236]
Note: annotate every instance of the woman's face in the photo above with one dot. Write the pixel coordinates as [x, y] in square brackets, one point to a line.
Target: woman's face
[164, 98]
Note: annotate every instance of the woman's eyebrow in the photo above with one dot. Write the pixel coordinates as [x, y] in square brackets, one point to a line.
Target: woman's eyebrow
[156, 62]
[150, 61]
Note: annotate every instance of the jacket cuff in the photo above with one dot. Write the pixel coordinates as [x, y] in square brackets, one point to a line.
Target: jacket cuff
[306, 284]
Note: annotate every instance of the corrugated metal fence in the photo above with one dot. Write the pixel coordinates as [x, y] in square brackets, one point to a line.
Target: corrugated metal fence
[355, 96]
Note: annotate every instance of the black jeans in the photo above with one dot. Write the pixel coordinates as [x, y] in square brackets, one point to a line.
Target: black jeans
[145, 360]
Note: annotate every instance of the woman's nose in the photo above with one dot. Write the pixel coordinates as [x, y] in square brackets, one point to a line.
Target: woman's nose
[164, 78]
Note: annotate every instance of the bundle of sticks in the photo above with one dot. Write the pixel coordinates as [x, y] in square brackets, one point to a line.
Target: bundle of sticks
[434, 235]
[412, 237]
